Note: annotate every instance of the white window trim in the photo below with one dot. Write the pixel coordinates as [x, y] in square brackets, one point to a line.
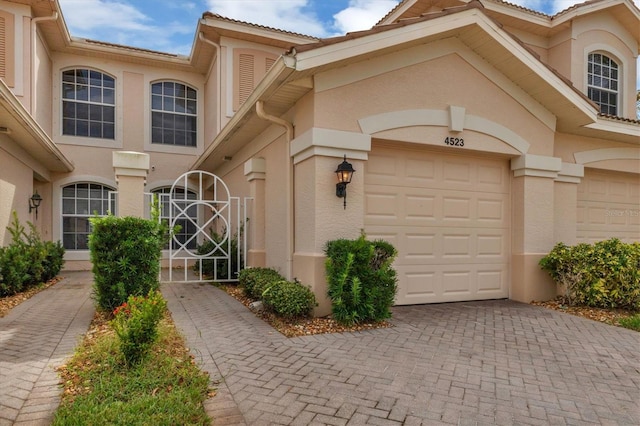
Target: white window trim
[117, 142]
[612, 53]
[173, 149]
[57, 209]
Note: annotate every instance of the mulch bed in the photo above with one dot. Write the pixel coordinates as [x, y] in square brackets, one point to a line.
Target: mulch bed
[301, 326]
[607, 316]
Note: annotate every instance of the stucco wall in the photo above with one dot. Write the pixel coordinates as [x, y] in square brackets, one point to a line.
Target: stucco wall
[16, 186]
[436, 84]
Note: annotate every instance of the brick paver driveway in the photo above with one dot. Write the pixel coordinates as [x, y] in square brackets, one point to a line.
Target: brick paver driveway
[476, 363]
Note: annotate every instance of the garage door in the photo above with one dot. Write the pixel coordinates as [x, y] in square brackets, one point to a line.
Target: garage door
[608, 206]
[449, 218]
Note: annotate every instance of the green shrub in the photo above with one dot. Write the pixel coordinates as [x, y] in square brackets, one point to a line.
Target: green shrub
[289, 299]
[362, 283]
[125, 252]
[27, 260]
[632, 322]
[220, 266]
[605, 274]
[136, 324]
[53, 260]
[255, 280]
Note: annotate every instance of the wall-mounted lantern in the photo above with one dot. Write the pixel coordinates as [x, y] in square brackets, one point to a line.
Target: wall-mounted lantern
[345, 173]
[34, 203]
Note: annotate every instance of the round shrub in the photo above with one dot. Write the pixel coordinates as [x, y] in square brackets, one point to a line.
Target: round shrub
[255, 280]
[289, 299]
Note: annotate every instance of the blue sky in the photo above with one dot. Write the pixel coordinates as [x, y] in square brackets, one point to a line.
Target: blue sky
[169, 25]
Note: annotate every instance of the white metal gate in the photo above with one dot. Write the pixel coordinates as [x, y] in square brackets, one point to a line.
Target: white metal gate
[215, 239]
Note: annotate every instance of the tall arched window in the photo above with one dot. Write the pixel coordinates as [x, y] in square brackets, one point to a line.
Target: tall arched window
[81, 201]
[174, 109]
[88, 104]
[602, 82]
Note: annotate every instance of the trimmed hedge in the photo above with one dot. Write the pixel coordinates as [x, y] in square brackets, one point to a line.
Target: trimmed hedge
[125, 252]
[27, 260]
[285, 298]
[362, 282]
[255, 280]
[289, 299]
[605, 274]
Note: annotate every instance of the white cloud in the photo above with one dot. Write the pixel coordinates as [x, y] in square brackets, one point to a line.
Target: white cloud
[362, 14]
[291, 15]
[121, 22]
[551, 7]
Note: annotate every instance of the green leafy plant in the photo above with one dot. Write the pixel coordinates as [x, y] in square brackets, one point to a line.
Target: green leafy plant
[632, 322]
[362, 283]
[125, 252]
[255, 280]
[136, 324]
[27, 260]
[605, 274]
[289, 299]
[219, 268]
[164, 388]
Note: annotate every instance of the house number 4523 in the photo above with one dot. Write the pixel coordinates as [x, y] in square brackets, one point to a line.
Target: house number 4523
[454, 141]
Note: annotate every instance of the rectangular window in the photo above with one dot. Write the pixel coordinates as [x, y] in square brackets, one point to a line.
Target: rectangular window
[88, 104]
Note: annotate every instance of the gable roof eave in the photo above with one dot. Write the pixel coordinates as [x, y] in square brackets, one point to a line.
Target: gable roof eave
[498, 47]
[27, 133]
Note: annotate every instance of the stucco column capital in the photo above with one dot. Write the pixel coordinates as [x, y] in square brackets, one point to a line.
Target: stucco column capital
[130, 163]
[330, 143]
[536, 165]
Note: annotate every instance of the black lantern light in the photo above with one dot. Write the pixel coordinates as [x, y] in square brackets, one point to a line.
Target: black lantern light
[345, 173]
[34, 202]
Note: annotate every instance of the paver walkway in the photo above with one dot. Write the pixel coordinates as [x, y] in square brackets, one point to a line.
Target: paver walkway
[36, 337]
[477, 363]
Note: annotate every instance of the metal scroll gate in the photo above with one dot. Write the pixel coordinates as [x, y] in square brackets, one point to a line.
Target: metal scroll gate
[209, 236]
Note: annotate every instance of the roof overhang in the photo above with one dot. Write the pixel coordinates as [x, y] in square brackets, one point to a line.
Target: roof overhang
[28, 135]
[289, 78]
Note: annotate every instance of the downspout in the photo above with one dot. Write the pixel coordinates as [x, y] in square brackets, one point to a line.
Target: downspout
[289, 182]
[34, 30]
[219, 77]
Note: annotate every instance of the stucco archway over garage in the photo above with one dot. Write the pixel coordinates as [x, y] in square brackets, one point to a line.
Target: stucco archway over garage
[449, 217]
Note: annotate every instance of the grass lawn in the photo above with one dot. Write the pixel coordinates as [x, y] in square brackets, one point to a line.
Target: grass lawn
[165, 388]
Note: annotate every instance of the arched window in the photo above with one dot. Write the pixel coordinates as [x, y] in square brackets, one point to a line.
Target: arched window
[602, 82]
[174, 109]
[187, 227]
[88, 104]
[81, 201]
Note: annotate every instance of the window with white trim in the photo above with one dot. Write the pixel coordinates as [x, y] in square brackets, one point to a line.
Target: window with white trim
[188, 227]
[80, 202]
[88, 104]
[174, 109]
[603, 82]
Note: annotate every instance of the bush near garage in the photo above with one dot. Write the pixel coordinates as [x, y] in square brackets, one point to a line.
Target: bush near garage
[605, 274]
[254, 281]
[286, 299]
[362, 283]
[125, 253]
[289, 299]
[27, 261]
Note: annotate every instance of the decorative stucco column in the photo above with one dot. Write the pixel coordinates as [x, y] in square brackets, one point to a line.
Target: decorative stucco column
[131, 170]
[533, 231]
[565, 203]
[319, 215]
[255, 171]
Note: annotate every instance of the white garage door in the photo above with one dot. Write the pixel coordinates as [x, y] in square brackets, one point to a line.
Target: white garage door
[449, 218]
[608, 206]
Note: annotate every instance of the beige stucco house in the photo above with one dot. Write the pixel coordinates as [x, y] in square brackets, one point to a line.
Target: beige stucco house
[481, 133]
